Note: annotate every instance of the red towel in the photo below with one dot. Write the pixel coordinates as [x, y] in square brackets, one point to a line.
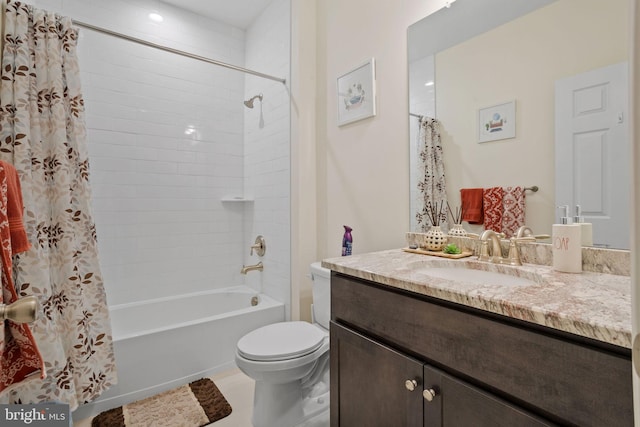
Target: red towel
[493, 208]
[20, 358]
[471, 199]
[15, 206]
[513, 210]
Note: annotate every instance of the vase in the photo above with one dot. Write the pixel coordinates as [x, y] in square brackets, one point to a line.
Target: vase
[435, 239]
[457, 231]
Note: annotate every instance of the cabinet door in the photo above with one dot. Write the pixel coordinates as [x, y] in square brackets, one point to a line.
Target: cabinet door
[458, 404]
[368, 383]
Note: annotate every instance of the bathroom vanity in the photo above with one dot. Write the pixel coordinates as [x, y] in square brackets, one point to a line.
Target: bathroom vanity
[411, 349]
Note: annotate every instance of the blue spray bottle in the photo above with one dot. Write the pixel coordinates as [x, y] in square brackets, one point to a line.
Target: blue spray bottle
[347, 241]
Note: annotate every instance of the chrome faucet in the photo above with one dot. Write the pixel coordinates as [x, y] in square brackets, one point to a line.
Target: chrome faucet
[248, 268]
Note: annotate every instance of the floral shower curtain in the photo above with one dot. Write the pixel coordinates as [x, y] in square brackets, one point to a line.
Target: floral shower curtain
[43, 135]
[431, 181]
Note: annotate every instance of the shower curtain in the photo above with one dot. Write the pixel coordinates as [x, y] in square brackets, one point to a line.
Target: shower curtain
[43, 135]
[431, 181]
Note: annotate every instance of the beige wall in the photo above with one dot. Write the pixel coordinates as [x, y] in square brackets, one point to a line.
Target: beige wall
[356, 174]
[363, 167]
[303, 155]
[521, 60]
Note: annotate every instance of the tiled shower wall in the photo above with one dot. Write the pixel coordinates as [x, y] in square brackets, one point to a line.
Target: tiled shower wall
[166, 142]
[267, 158]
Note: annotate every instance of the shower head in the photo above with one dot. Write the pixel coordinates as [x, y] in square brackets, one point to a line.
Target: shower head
[249, 102]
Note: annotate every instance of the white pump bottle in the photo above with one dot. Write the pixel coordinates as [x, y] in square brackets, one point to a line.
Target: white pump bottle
[566, 241]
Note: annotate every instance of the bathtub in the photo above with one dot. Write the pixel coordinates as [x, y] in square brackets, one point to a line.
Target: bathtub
[162, 343]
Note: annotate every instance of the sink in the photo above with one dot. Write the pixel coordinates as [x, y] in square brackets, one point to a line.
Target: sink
[478, 277]
[476, 272]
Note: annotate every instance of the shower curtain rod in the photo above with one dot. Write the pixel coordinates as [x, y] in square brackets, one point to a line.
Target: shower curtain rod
[176, 51]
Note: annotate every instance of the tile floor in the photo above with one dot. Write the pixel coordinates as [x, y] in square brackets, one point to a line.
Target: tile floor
[237, 389]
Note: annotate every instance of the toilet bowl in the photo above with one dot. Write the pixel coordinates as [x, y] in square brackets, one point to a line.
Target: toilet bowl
[290, 363]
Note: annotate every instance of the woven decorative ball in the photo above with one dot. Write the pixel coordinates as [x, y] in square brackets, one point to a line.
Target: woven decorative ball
[457, 231]
[435, 239]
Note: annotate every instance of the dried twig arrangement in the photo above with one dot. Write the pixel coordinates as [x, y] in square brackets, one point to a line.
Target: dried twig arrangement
[457, 218]
[435, 212]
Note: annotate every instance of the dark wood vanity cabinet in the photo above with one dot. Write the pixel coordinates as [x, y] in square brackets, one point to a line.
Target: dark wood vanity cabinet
[403, 359]
[372, 382]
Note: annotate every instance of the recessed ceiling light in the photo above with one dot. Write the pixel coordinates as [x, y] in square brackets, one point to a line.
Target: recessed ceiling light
[156, 17]
[429, 83]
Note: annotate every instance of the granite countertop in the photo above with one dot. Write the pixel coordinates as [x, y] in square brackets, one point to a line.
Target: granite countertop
[593, 305]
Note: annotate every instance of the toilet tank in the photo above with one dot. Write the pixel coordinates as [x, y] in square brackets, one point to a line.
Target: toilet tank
[321, 307]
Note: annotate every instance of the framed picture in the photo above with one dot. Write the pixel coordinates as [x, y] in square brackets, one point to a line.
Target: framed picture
[497, 122]
[357, 93]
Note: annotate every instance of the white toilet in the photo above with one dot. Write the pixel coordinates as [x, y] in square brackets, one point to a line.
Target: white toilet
[290, 363]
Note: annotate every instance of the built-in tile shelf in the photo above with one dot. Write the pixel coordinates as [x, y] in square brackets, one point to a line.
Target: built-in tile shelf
[236, 199]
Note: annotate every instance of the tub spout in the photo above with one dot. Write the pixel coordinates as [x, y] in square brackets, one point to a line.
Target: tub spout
[248, 268]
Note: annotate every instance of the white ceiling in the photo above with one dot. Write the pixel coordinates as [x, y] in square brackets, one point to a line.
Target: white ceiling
[239, 13]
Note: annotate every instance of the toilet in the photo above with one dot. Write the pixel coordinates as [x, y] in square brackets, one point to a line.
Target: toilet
[290, 363]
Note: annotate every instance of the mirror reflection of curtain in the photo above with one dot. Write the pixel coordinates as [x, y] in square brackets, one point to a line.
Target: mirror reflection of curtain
[43, 135]
[431, 179]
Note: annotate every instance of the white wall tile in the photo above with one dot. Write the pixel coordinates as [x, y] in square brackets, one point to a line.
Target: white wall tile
[169, 136]
[267, 50]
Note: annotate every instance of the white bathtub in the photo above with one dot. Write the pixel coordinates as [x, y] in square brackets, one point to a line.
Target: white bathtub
[162, 343]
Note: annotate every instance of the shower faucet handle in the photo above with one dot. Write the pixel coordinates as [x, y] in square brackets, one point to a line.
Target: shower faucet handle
[260, 246]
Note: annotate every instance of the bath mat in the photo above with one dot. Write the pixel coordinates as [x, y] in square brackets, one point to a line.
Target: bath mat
[193, 405]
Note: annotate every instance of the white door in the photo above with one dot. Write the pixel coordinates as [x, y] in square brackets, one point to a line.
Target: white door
[592, 151]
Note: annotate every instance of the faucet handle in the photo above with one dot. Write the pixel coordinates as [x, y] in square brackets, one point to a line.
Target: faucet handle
[484, 251]
[260, 246]
[525, 232]
[514, 254]
[525, 239]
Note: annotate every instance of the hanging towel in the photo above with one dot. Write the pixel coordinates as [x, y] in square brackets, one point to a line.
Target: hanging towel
[513, 210]
[19, 241]
[20, 358]
[471, 199]
[493, 208]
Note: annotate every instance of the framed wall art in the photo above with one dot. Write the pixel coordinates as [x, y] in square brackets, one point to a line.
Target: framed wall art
[357, 93]
[497, 122]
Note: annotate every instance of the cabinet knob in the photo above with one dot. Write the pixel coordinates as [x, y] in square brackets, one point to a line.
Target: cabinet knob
[411, 384]
[429, 394]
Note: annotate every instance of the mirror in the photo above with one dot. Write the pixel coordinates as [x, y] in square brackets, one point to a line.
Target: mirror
[481, 53]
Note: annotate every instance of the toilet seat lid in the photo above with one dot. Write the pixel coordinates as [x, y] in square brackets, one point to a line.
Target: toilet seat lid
[281, 341]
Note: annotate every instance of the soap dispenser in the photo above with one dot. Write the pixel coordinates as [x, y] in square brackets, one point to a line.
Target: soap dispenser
[566, 243]
[586, 228]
